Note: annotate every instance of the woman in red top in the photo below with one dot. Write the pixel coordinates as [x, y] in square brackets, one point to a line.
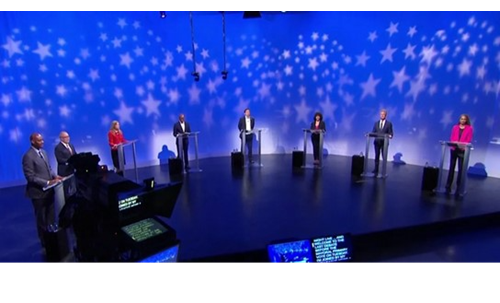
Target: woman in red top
[115, 137]
[461, 132]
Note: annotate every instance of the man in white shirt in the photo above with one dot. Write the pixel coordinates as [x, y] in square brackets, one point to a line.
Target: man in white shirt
[246, 124]
[182, 127]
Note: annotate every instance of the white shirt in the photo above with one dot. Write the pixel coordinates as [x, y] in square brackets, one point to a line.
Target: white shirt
[382, 122]
[183, 127]
[248, 124]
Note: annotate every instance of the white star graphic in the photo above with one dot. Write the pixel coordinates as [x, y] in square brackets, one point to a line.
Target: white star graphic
[138, 51]
[302, 112]
[173, 95]
[361, 59]
[181, 72]
[43, 51]
[481, 72]
[392, 29]
[64, 111]
[408, 111]
[179, 49]
[121, 23]
[313, 63]
[412, 31]
[61, 90]
[136, 24]
[103, 37]
[387, 53]
[94, 74]
[328, 109]
[464, 67]
[286, 54]
[188, 56]
[315, 36]
[369, 87]
[126, 60]
[139, 90]
[124, 113]
[288, 70]
[70, 74]
[12, 47]
[372, 36]
[242, 105]
[116, 43]
[151, 106]
[150, 85]
[264, 91]
[208, 117]
[409, 51]
[416, 87]
[399, 79]
[473, 49]
[169, 58]
[204, 54]
[15, 135]
[446, 119]
[245, 63]
[24, 95]
[428, 53]
[194, 94]
[118, 93]
[84, 53]
[6, 100]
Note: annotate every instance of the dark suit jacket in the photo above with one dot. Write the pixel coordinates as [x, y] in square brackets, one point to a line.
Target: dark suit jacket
[322, 126]
[178, 130]
[242, 126]
[37, 172]
[387, 129]
[62, 156]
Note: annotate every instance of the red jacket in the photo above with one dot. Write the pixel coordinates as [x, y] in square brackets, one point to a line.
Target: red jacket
[115, 137]
[466, 134]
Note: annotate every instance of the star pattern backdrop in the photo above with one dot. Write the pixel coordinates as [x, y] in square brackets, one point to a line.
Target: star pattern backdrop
[79, 71]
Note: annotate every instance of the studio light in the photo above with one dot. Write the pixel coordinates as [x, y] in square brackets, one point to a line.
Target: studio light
[224, 74]
[196, 76]
[163, 15]
[250, 15]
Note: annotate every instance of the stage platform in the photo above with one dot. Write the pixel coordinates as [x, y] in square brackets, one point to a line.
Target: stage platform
[227, 215]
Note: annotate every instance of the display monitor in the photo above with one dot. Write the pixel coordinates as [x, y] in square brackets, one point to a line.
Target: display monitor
[144, 229]
[167, 255]
[291, 252]
[336, 248]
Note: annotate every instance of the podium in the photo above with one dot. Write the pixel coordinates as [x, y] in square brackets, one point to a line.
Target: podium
[385, 152]
[244, 135]
[60, 241]
[321, 134]
[180, 152]
[463, 178]
[121, 157]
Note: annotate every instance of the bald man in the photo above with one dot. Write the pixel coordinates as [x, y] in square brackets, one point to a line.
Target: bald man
[39, 174]
[63, 151]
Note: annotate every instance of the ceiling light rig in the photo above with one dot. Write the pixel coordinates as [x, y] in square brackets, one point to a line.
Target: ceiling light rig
[224, 71]
[195, 74]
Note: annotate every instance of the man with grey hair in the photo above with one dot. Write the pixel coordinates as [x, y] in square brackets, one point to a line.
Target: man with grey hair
[381, 128]
[63, 151]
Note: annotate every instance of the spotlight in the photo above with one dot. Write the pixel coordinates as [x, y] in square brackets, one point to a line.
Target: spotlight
[196, 76]
[163, 15]
[249, 15]
[224, 74]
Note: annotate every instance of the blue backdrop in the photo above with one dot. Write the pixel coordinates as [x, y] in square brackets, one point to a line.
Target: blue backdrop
[78, 71]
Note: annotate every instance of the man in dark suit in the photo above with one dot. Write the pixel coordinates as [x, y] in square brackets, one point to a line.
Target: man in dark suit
[63, 151]
[246, 124]
[39, 174]
[381, 127]
[182, 127]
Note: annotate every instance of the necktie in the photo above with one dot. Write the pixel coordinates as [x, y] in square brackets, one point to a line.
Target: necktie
[69, 148]
[381, 124]
[40, 153]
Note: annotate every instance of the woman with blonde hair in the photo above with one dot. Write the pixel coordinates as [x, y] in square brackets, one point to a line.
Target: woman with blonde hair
[115, 138]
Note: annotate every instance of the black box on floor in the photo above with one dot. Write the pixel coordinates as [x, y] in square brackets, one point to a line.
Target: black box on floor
[237, 160]
[357, 165]
[175, 166]
[297, 158]
[430, 178]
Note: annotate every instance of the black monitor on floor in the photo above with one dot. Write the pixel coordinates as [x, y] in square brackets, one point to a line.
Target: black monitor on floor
[168, 255]
[334, 248]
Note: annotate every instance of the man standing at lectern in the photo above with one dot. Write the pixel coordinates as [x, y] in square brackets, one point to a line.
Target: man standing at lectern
[182, 127]
[63, 151]
[381, 128]
[246, 124]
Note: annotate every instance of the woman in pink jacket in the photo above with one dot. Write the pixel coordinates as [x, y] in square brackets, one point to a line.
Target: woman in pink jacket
[461, 132]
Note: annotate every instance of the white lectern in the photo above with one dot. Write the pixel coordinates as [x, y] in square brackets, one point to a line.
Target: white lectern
[180, 141]
[121, 158]
[243, 135]
[320, 155]
[385, 152]
[463, 178]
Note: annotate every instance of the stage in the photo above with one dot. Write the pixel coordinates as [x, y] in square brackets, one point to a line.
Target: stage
[227, 215]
